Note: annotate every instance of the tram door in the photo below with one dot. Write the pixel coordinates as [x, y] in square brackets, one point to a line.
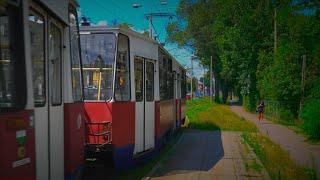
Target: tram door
[46, 56]
[145, 106]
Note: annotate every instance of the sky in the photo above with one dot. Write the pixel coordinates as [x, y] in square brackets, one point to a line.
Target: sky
[109, 12]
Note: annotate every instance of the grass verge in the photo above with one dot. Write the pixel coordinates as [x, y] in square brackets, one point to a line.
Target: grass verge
[277, 161]
[143, 168]
[205, 115]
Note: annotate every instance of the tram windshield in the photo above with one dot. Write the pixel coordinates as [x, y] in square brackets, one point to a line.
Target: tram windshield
[10, 55]
[98, 56]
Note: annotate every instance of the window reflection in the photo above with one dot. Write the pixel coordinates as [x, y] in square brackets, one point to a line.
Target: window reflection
[138, 71]
[166, 76]
[75, 58]
[55, 64]
[122, 86]
[7, 83]
[97, 51]
[149, 81]
[36, 25]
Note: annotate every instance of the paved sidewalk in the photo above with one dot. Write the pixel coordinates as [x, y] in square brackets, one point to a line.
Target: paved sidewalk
[210, 155]
[302, 152]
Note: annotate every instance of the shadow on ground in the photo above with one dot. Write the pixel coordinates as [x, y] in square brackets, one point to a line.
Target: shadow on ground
[197, 151]
[100, 169]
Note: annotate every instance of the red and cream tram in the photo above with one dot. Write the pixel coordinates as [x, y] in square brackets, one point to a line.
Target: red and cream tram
[134, 94]
[41, 105]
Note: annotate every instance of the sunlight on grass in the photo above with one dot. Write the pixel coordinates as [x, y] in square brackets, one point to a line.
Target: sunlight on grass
[205, 115]
[277, 161]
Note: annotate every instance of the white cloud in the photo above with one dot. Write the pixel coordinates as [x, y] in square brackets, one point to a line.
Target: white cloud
[102, 23]
[138, 30]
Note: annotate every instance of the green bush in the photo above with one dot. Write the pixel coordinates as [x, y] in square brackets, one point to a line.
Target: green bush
[277, 111]
[286, 115]
[310, 114]
[250, 102]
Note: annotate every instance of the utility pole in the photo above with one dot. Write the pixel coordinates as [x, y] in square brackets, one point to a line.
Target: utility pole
[210, 78]
[150, 27]
[275, 36]
[303, 76]
[191, 76]
[203, 86]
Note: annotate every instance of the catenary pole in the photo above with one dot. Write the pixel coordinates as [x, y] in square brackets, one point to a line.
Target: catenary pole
[191, 77]
[211, 78]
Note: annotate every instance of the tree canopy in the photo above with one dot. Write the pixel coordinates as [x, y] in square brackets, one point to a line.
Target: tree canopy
[256, 46]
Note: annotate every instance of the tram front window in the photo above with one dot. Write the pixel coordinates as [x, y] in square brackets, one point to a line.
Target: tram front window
[98, 54]
[10, 55]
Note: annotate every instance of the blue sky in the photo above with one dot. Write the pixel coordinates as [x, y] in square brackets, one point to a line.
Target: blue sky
[107, 12]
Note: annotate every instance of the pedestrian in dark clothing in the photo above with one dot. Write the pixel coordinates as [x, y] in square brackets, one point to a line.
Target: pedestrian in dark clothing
[260, 110]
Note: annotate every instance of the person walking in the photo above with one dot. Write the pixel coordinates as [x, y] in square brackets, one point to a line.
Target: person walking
[260, 110]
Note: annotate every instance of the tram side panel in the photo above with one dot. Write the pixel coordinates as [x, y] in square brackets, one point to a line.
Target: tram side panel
[17, 154]
[177, 94]
[74, 130]
[74, 115]
[167, 102]
[183, 95]
[166, 117]
[183, 109]
[123, 134]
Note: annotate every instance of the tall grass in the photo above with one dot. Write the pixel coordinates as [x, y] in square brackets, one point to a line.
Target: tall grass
[277, 161]
[203, 114]
[311, 116]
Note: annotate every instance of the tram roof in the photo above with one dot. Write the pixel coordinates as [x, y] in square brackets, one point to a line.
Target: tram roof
[60, 8]
[128, 32]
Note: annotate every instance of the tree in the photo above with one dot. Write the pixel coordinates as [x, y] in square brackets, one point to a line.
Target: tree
[242, 45]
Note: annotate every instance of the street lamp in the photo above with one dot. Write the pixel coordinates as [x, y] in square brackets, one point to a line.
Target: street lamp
[163, 2]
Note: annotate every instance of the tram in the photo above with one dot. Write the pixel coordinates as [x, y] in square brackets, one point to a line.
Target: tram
[41, 105]
[134, 94]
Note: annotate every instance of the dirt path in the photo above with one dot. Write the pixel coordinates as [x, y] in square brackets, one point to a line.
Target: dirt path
[301, 151]
[210, 155]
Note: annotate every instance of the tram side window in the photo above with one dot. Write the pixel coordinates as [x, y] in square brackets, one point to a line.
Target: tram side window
[166, 78]
[98, 52]
[36, 25]
[122, 81]
[11, 57]
[183, 84]
[75, 57]
[163, 78]
[170, 79]
[55, 64]
[138, 71]
[149, 81]
[178, 87]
